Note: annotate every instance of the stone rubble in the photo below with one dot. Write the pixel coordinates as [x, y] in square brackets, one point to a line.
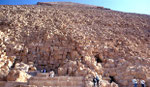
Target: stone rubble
[74, 41]
[18, 76]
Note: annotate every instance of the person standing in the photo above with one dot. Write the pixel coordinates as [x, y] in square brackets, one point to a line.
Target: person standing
[142, 83]
[44, 70]
[94, 81]
[52, 74]
[135, 82]
[97, 80]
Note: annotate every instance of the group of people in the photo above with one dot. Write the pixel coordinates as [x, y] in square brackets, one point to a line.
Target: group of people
[51, 74]
[96, 79]
[135, 82]
[43, 71]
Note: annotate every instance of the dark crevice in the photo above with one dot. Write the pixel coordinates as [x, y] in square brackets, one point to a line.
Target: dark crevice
[67, 71]
[82, 59]
[15, 61]
[43, 65]
[5, 23]
[112, 79]
[98, 59]
[68, 55]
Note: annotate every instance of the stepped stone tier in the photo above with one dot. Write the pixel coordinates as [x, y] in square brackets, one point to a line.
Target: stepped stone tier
[73, 40]
[43, 80]
[60, 81]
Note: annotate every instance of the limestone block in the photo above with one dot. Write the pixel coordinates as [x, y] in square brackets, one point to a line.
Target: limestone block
[99, 69]
[2, 63]
[55, 48]
[60, 52]
[75, 54]
[9, 63]
[62, 71]
[87, 60]
[101, 57]
[104, 83]
[112, 71]
[32, 68]
[57, 57]
[81, 72]
[89, 84]
[22, 66]
[19, 76]
[4, 70]
[123, 82]
[65, 83]
[114, 84]
[43, 75]
[77, 83]
[2, 83]
[28, 86]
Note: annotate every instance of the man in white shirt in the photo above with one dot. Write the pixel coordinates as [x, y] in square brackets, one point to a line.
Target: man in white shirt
[52, 74]
[135, 82]
[142, 83]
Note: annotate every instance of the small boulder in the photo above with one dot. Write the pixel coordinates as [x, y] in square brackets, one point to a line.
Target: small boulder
[18, 76]
[22, 67]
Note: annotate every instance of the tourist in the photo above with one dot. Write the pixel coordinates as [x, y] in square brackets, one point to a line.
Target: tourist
[142, 83]
[52, 74]
[134, 82]
[44, 70]
[97, 80]
[94, 81]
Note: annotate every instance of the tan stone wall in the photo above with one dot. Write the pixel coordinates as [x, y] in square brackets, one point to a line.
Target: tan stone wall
[75, 41]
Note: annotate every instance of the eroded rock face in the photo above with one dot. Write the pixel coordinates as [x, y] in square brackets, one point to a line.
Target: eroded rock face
[6, 62]
[75, 41]
[18, 76]
[22, 67]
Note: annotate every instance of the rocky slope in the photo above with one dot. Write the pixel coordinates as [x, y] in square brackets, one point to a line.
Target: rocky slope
[75, 40]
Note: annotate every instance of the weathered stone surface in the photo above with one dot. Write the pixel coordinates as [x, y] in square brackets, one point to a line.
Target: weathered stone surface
[22, 67]
[27, 86]
[2, 83]
[18, 76]
[32, 68]
[114, 85]
[5, 64]
[75, 41]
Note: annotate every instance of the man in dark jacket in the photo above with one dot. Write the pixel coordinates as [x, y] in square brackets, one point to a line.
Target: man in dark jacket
[44, 70]
[96, 80]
